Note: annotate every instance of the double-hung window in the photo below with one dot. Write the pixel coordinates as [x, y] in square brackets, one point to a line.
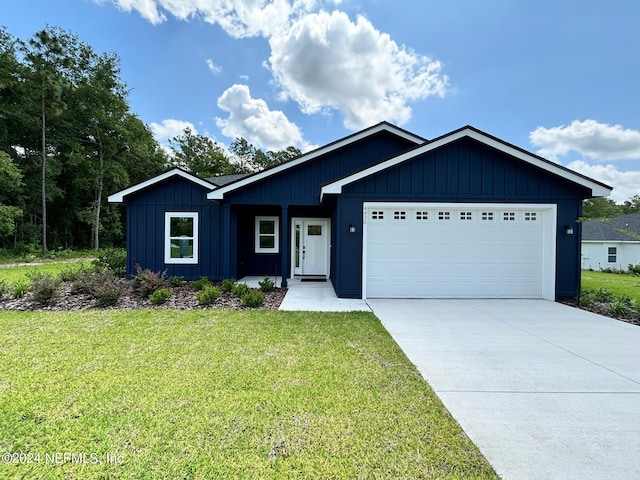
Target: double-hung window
[181, 237]
[612, 254]
[267, 235]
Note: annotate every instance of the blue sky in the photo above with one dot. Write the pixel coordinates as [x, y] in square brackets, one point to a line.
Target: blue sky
[557, 77]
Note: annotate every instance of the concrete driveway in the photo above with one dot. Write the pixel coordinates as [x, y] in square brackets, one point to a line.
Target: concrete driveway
[544, 390]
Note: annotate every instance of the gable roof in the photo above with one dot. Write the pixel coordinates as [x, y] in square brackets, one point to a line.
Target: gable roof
[119, 196]
[597, 189]
[222, 180]
[219, 193]
[625, 228]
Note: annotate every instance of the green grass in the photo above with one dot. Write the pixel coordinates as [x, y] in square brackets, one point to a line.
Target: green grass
[12, 274]
[221, 394]
[616, 283]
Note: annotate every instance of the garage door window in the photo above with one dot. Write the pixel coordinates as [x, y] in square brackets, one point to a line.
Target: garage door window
[422, 215]
[487, 216]
[399, 215]
[444, 215]
[377, 215]
[509, 216]
[530, 216]
[466, 216]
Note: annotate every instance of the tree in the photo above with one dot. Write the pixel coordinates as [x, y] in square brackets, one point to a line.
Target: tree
[600, 207]
[199, 155]
[252, 159]
[10, 184]
[632, 205]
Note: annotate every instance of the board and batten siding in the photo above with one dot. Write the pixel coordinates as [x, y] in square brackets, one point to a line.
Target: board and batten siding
[145, 228]
[464, 171]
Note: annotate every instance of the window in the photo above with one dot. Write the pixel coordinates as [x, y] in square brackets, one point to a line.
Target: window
[509, 216]
[424, 215]
[530, 216]
[466, 216]
[444, 215]
[267, 236]
[181, 237]
[377, 215]
[399, 215]
[314, 229]
[612, 253]
[487, 216]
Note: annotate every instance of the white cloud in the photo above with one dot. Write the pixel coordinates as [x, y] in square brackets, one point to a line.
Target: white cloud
[251, 119]
[239, 18]
[326, 61]
[625, 184]
[170, 128]
[593, 140]
[215, 69]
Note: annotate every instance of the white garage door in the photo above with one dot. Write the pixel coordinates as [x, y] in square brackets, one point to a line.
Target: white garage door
[436, 250]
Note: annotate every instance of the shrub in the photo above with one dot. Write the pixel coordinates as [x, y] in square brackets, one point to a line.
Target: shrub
[227, 284]
[19, 289]
[266, 285]
[146, 281]
[208, 294]
[603, 295]
[200, 283]
[44, 288]
[240, 289]
[253, 298]
[5, 288]
[160, 296]
[107, 294]
[72, 273]
[176, 280]
[114, 259]
[634, 269]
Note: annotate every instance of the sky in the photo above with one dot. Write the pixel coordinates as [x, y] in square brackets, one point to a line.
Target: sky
[559, 78]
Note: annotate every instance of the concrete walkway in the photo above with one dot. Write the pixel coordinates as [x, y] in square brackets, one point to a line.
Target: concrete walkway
[312, 296]
[544, 390]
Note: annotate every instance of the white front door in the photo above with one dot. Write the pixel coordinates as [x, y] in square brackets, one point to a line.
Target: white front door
[310, 252]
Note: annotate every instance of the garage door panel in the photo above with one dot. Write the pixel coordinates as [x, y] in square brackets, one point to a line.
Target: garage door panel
[458, 257]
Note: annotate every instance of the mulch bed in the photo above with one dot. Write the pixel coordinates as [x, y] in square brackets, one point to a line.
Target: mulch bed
[604, 309]
[183, 297]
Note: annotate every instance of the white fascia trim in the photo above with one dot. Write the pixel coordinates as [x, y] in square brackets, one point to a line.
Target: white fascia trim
[630, 242]
[119, 196]
[597, 189]
[219, 193]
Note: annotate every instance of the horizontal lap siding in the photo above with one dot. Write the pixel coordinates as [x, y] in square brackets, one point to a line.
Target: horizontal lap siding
[145, 228]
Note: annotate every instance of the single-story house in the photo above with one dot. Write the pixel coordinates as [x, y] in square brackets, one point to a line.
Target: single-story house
[611, 243]
[380, 213]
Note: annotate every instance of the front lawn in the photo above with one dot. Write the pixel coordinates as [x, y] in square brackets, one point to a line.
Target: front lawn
[20, 273]
[616, 283]
[218, 394]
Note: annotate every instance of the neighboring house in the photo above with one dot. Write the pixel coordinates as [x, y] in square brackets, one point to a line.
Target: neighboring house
[611, 243]
[380, 213]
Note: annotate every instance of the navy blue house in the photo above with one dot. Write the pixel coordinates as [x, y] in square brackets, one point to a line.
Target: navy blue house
[380, 213]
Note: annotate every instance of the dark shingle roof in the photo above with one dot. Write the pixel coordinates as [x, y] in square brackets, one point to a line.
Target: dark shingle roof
[223, 180]
[625, 228]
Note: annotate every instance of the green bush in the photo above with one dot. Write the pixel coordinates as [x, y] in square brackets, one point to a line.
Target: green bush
[72, 273]
[227, 284]
[253, 298]
[102, 285]
[145, 282]
[19, 289]
[176, 280]
[208, 294]
[107, 294]
[200, 283]
[267, 285]
[160, 296]
[634, 269]
[240, 289]
[5, 289]
[44, 288]
[114, 259]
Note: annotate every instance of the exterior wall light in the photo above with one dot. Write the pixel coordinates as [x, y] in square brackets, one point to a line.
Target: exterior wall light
[352, 228]
[568, 230]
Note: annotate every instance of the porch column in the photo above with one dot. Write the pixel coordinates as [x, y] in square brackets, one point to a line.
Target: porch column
[284, 241]
[225, 258]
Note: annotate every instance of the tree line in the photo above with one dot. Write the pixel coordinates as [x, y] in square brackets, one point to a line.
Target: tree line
[68, 138]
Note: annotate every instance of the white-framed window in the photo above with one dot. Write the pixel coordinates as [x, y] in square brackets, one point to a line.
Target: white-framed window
[612, 254]
[181, 237]
[487, 216]
[466, 216]
[530, 216]
[267, 235]
[509, 216]
[422, 215]
[377, 215]
[444, 215]
[399, 215]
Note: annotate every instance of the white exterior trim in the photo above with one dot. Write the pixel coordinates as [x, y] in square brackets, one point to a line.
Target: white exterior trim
[220, 192]
[596, 188]
[549, 233]
[119, 196]
[275, 234]
[167, 238]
